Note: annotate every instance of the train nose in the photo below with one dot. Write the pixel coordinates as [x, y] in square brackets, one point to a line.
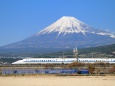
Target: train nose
[17, 62]
[14, 63]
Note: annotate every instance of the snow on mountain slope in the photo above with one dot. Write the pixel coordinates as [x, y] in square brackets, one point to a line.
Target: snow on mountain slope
[67, 25]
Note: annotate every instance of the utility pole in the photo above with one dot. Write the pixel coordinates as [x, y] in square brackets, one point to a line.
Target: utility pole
[75, 53]
[63, 58]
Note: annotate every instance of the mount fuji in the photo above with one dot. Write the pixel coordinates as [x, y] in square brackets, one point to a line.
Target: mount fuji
[66, 33]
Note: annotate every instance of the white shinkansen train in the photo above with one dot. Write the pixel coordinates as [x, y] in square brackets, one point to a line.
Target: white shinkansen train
[63, 60]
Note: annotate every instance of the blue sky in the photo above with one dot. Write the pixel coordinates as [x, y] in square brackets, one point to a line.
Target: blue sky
[20, 19]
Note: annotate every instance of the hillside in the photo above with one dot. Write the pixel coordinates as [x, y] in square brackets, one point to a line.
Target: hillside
[101, 51]
[107, 51]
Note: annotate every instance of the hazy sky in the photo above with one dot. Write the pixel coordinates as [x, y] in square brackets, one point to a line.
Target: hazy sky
[20, 19]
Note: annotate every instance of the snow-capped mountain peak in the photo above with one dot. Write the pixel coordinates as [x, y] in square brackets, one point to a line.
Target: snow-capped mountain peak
[65, 25]
[68, 25]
